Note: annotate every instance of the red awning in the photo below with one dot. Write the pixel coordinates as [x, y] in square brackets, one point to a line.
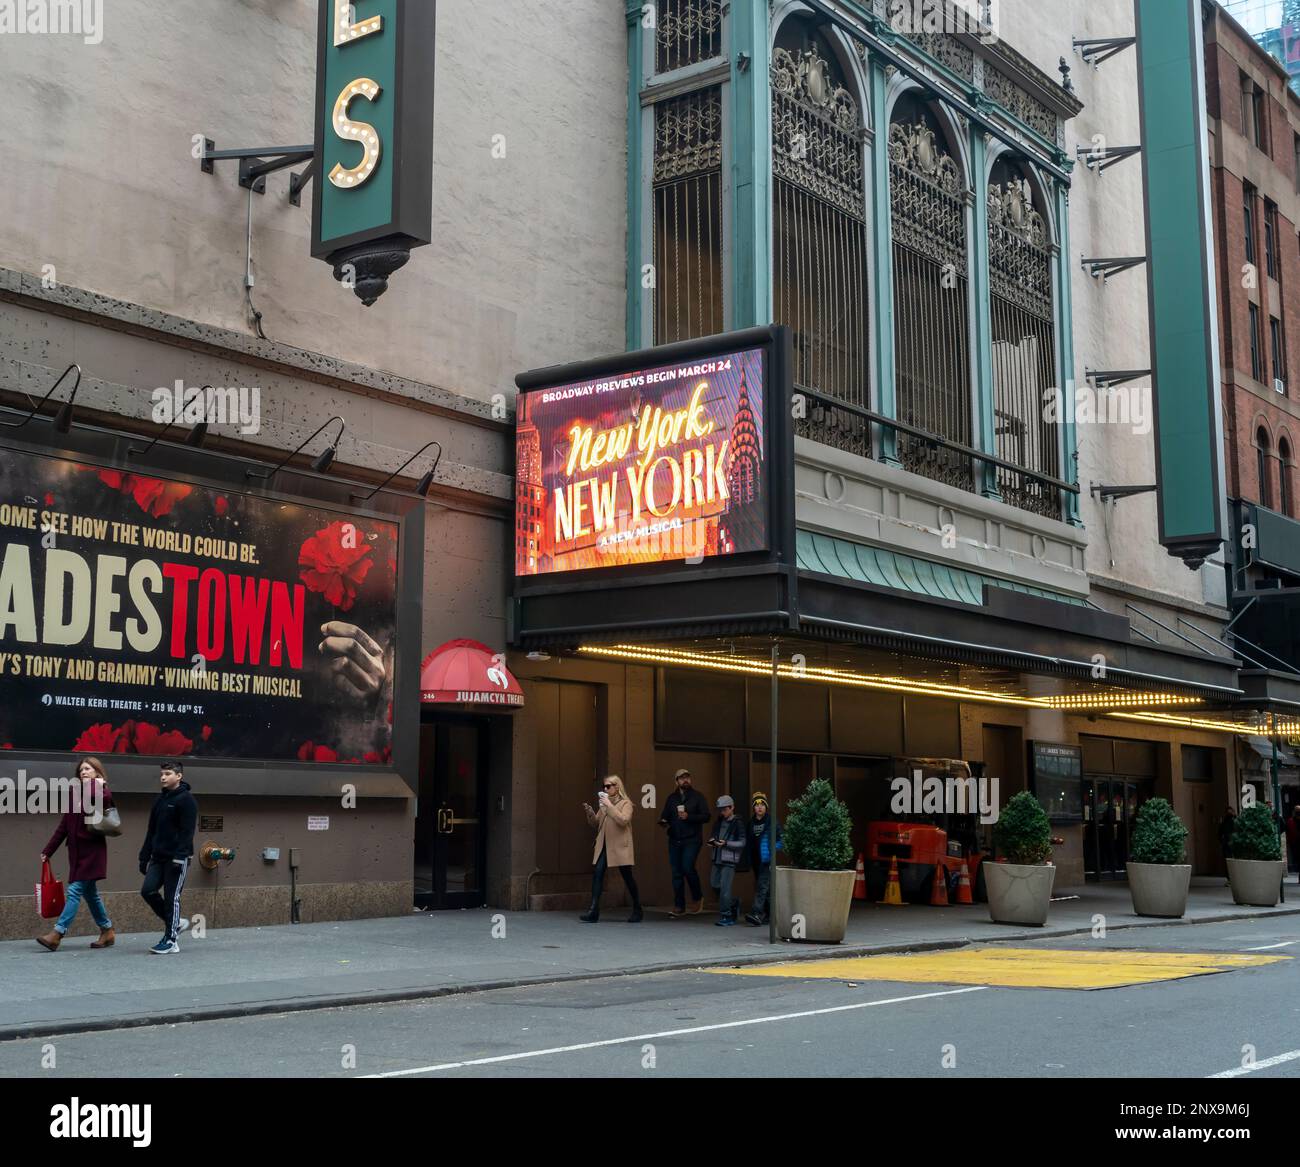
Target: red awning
[465, 672]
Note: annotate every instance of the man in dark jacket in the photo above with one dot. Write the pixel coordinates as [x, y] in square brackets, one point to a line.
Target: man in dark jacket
[729, 844]
[165, 855]
[684, 816]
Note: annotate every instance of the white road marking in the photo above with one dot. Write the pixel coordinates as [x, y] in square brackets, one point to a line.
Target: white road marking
[1266, 947]
[566, 1049]
[1241, 1071]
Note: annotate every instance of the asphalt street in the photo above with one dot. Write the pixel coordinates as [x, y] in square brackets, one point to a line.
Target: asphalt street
[1244, 1022]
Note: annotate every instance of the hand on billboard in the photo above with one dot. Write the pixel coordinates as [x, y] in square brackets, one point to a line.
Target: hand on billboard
[358, 662]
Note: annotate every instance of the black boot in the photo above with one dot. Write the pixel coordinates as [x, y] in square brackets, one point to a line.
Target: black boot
[635, 917]
[592, 914]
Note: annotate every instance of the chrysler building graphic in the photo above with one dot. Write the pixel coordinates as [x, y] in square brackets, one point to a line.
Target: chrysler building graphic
[744, 463]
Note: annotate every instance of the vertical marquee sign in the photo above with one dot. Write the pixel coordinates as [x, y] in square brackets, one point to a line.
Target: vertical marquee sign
[374, 138]
[1181, 278]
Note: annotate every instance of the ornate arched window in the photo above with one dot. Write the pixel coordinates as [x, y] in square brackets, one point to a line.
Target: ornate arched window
[819, 227]
[1263, 448]
[931, 321]
[1023, 320]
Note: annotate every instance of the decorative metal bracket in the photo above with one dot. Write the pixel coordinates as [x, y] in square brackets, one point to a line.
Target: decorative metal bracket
[1101, 160]
[1111, 266]
[1105, 492]
[256, 162]
[1098, 50]
[1107, 378]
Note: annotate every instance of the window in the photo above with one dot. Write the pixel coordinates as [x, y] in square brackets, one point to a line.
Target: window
[1256, 356]
[1248, 216]
[1297, 163]
[1284, 477]
[1263, 448]
[1270, 239]
[1023, 321]
[820, 247]
[1279, 359]
[687, 32]
[688, 216]
[1257, 118]
[1247, 89]
[931, 307]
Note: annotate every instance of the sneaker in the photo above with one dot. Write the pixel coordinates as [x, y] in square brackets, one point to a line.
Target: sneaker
[677, 913]
[697, 907]
[183, 926]
[753, 919]
[164, 947]
[725, 922]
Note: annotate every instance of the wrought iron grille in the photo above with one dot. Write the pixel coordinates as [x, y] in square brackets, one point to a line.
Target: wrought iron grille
[1024, 344]
[688, 216]
[820, 240]
[931, 322]
[686, 32]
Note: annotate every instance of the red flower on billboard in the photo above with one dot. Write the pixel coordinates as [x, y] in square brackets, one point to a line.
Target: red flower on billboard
[132, 737]
[221, 504]
[98, 739]
[152, 495]
[206, 732]
[376, 757]
[150, 739]
[311, 752]
[335, 562]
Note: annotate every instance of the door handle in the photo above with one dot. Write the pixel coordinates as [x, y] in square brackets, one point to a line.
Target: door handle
[447, 821]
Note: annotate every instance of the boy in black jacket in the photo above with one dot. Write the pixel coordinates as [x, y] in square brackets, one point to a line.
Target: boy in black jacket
[165, 855]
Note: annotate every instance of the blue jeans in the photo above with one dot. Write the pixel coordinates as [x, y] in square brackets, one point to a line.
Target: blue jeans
[78, 890]
[681, 858]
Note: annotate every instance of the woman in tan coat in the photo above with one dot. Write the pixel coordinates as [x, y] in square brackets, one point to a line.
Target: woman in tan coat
[613, 823]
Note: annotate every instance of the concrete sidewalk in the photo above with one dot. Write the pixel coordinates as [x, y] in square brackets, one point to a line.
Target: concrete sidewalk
[245, 971]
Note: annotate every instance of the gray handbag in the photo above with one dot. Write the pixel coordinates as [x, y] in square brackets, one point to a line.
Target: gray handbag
[107, 823]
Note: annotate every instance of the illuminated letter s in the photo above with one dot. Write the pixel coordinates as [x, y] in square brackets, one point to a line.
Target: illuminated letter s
[352, 131]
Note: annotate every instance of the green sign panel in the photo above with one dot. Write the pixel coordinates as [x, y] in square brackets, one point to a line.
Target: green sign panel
[374, 124]
[1184, 336]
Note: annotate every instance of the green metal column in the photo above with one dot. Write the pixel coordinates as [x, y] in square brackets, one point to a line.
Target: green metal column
[883, 246]
[635, 188]
[982, 296]
[1065, 374]
[750, 150]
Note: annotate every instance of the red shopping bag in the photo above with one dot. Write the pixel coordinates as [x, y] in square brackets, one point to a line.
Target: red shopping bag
[49, 894]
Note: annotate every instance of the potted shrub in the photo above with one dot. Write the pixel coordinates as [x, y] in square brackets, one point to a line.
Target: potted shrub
[1256, 868]
[1158, 878]
[814, 894]
[1020, 889]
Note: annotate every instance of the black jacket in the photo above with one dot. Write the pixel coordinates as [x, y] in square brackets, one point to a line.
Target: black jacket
[697, 814]
[171, 825]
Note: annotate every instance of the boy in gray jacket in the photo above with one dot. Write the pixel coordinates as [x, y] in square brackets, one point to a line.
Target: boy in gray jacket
[728, 842]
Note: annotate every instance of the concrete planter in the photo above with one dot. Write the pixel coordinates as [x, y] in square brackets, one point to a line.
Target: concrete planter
[1019, 893]
[821, 900]
[1256, 882]
[1159, 889]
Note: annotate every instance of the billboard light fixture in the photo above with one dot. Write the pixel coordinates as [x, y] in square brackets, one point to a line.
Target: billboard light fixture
[195, 438]
[320, 463]
[425, 483]
[63, 419]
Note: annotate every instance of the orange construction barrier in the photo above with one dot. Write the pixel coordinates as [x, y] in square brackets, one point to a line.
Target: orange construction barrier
[860, 881]
[963, 886]
[939, 890]
[893, 891]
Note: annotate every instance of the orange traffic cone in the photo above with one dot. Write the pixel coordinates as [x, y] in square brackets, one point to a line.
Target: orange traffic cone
[963, 886]
[860, 881]
[893, 891]
[939, 891]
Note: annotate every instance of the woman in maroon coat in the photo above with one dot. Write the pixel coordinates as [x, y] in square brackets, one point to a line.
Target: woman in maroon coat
[87, 857]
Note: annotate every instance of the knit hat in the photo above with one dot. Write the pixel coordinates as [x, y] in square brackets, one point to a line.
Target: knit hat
[759, 796]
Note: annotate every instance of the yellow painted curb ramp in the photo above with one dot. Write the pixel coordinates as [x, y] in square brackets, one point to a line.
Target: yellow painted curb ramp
[1017, 968]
